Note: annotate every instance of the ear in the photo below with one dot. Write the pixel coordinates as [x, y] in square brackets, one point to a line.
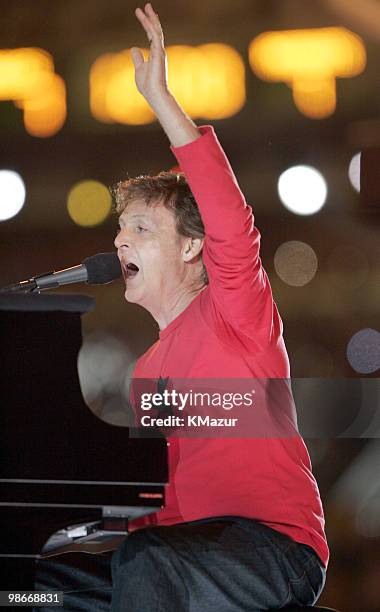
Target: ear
[192, 247]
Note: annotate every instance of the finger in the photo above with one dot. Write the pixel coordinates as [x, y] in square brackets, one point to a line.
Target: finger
[143, 19]
[146, 23]
[154, 22]
[153, 32]
[149, 10]
[137, 57]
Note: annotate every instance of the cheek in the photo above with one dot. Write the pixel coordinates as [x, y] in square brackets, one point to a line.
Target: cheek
[172, 256]
[167, 254]
[155, 261]
[162, 255]
[149, 250]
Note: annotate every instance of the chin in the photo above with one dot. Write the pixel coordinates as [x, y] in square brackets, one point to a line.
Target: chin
[132, 296]
[129, 298]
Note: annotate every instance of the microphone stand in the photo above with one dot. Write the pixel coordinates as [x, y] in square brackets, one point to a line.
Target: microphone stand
[32, 285]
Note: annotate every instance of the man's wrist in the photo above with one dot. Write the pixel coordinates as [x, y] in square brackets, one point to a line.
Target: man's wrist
[159, 100]
[179, 128]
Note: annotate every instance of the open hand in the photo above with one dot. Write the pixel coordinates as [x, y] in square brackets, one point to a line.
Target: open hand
[151, 75]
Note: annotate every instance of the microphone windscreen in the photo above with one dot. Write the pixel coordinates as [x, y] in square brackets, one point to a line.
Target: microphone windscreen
[102, 268]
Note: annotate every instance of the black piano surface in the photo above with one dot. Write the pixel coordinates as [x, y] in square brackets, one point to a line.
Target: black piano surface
[59, 464]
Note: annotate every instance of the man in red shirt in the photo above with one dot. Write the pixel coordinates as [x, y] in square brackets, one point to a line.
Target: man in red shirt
[243, 526]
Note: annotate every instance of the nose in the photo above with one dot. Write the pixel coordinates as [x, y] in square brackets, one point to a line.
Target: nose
[117, 241]
[121, 239]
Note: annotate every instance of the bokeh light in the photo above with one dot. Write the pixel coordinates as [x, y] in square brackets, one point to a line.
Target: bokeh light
[309, 61]
[89, 203]
[20, 71]
[208, 81]
[296, 263]
[102, 362]
[214, 86]
[28, 78]
[302, 190]
[315, 98]
[354, 172]
[12, 190]
[45, 114]
[363, 351]
[123, 102]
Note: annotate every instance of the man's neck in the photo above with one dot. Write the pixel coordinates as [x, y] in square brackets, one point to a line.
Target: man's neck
[176, 307]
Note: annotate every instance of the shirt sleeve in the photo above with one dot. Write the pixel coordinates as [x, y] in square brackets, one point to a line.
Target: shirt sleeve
[239, 285]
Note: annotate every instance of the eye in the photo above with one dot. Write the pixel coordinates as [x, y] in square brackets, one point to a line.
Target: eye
[140, 229]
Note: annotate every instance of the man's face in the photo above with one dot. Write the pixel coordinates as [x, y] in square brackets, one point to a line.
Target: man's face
[148, 240]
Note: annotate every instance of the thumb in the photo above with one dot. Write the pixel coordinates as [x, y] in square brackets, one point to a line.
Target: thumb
[137, 57]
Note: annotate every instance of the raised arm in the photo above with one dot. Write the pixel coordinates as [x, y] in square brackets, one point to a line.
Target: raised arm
[151, 81]
[239, 285]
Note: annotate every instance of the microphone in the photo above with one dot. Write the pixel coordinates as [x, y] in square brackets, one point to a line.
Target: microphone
[98, 269]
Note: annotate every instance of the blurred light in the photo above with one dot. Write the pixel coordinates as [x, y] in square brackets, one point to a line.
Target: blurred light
[207, 81]
[12, 194]
[102, 362]
[315, 98]
[363, 351]
[348, 267]
[354, 172]
[45, 114]
[89, 203]
[308, 61]
[295, 263]
[20, 70]
[124, 102]
[27, 77]
[115, 412]
[302, 189]
[100, 74]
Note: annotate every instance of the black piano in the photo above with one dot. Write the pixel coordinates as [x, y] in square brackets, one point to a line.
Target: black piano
[65, 475]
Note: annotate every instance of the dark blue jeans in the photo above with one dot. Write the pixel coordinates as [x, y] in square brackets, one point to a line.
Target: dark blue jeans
[229, 564]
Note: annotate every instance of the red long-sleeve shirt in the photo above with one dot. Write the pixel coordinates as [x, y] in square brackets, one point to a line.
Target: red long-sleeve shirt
[231, 330]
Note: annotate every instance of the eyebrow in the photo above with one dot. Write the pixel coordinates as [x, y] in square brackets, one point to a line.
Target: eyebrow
[138, 216]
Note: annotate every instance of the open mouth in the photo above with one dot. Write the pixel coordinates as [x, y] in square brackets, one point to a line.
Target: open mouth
[131, 270]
